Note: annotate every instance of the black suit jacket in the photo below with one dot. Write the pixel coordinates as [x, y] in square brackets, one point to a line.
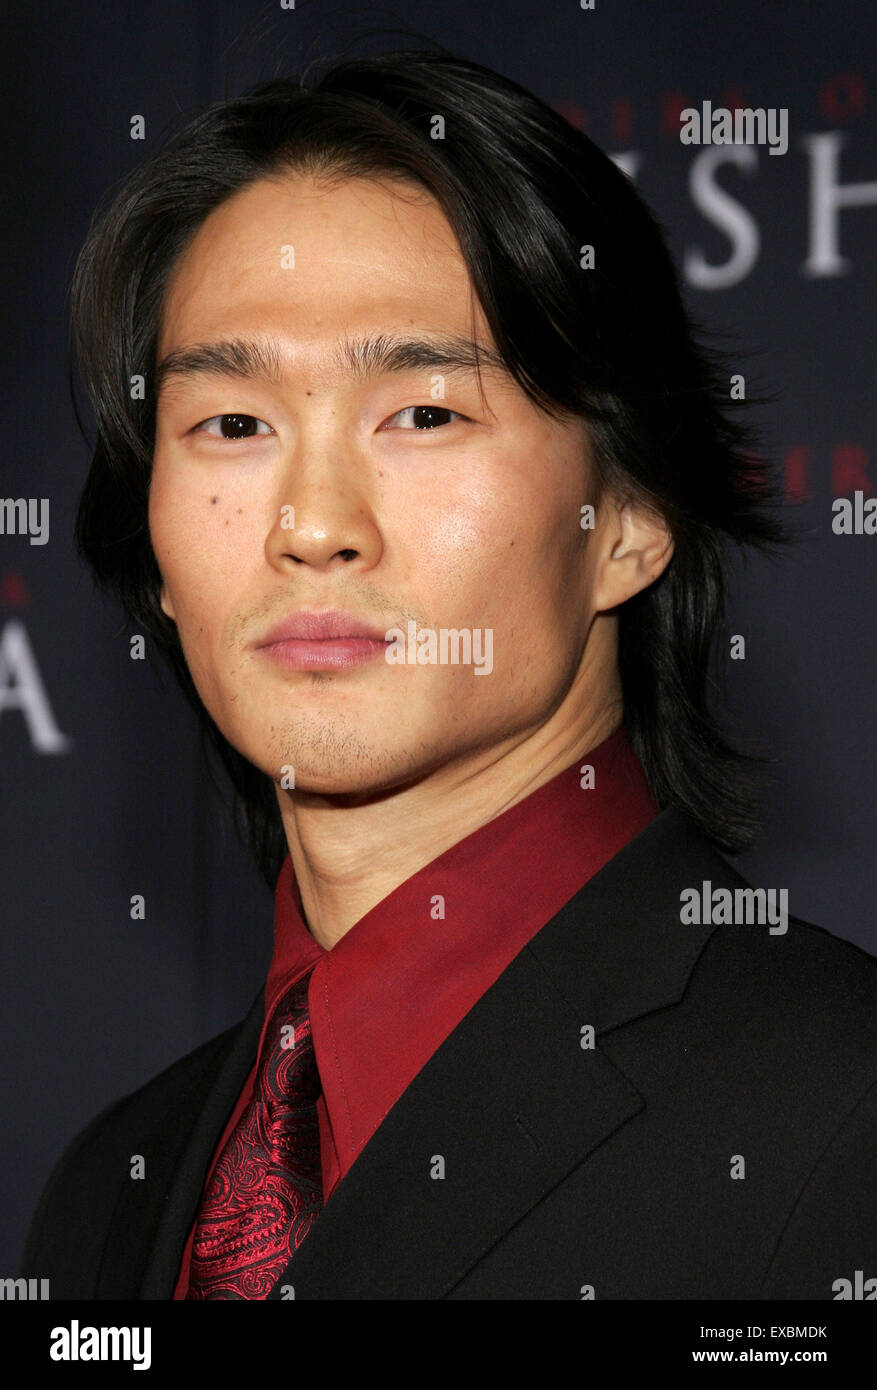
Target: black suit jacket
[566, 1169]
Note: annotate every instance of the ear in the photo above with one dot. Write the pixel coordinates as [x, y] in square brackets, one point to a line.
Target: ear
[636, 548]
[166, 606]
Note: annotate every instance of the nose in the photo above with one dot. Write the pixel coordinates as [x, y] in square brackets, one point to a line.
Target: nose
[324, 514]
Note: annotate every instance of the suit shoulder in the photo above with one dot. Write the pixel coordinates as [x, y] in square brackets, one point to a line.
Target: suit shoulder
[807, 957]
[805, 992]
[843, 957]
[180, 1081]
[77, 1185]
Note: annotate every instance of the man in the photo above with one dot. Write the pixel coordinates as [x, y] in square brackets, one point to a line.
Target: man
[424, 498]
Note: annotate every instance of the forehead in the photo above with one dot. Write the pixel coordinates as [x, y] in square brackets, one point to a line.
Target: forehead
[305, 258]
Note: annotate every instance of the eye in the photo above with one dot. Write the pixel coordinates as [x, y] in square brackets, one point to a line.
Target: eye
[234, 427]
[424, 416]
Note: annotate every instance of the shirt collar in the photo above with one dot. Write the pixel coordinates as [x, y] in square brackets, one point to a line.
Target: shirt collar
[397, 983]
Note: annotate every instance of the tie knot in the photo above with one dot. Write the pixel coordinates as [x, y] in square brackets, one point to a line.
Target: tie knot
[289, 1072]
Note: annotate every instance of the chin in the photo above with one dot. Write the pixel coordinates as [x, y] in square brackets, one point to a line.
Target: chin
[344, 772]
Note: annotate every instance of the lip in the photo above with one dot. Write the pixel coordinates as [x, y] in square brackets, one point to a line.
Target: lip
[309, 625]
[320, 641]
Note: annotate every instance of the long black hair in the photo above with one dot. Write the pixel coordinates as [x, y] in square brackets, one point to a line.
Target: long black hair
[524, 192]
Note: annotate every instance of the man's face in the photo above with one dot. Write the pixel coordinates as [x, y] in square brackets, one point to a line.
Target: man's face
[464, 518]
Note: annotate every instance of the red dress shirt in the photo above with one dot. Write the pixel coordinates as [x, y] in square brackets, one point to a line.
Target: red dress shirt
[386, 995]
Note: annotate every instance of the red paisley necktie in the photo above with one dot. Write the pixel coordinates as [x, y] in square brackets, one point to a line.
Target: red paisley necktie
[266, 1189]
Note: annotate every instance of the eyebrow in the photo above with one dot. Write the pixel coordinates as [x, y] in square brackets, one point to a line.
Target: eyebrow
[253, 359]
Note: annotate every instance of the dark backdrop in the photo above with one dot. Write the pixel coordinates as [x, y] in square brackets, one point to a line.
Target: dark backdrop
[105, 789]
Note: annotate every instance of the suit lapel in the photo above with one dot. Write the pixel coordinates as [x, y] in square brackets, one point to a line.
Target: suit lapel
[511, 1102]
[484, 1112]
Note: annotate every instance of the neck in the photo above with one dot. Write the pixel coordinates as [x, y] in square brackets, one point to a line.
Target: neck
[349, 852]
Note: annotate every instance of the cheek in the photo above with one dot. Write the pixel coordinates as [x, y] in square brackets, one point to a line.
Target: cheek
[446, 550]
[171, 519]
[196, 556]
[527, 553]
[508, 558]
[456, 561]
